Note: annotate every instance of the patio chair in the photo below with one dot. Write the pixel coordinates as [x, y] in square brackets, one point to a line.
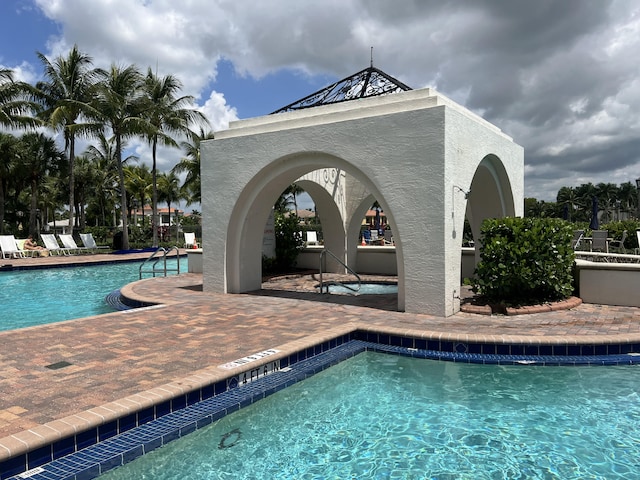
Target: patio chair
[70, 244]
[618, 245]
[578, 236]
[312, 237]
[190, 240]
[9, 247]
[599, 242]
[51, 244]
[89, 242]
[388, 237]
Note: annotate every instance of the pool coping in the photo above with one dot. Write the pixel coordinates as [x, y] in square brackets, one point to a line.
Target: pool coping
[58, 441]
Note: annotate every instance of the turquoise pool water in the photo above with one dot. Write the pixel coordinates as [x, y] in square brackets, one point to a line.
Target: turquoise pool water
[366, 288]
[380, 416]
[40, 296]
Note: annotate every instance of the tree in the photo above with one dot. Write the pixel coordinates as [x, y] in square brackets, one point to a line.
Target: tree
[40, 157]
[190, 163]
[119, 104]
[169, 191]
[168, 115]
[568, 198]
[138, 180]
[103, 157]
[9, 148]
[14, 105]
[65, 96]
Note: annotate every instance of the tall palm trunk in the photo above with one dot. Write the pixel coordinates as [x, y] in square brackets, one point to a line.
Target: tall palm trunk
[123, 195]
[154, 197]
[72, 187]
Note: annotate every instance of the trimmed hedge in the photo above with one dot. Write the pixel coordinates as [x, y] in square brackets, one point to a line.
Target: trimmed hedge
[525, 261]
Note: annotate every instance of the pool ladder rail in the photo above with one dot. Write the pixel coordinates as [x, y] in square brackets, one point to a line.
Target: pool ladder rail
[150, 265]
[323, 261]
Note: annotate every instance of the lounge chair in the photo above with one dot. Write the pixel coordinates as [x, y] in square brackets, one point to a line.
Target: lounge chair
[9, 247]
[388, 237]
[618, 245]
[89, 242]
[637, 250]
[70, 244]
[190, 240]
[578, 237]
[599, 242]
[312, 237]
[51, 244]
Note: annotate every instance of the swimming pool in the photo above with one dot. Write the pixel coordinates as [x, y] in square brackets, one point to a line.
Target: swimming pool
[386, 416]
[366, 288]
[32, 297]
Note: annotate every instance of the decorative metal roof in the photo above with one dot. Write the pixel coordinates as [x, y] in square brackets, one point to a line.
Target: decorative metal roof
[369, 82]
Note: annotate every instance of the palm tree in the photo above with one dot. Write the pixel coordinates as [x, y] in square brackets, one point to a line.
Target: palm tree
[14, 106]
[9, 148]
[119, 104]
[607, 194]
[40, 157]
[103, 157]
[65, 96]
[138, 179]
[190, 163]
[567, 197]
[628, 196]
[169, 191]
[169, 115]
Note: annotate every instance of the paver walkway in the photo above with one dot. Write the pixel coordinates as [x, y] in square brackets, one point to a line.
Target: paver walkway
[110, 357]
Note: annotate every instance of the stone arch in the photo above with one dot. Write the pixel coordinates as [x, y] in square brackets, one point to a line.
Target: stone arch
[491, 194]
[250, 212]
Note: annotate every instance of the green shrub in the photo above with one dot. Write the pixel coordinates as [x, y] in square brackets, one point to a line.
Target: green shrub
[288, 242]
[525, 261]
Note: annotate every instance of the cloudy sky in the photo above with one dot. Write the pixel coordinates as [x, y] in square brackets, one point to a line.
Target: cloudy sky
[559, 76]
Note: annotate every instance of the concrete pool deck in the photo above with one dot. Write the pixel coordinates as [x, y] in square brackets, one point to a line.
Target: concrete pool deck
[58, 379]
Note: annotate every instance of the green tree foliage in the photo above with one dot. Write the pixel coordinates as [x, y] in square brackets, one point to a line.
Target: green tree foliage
[525, 261]
[288, 241]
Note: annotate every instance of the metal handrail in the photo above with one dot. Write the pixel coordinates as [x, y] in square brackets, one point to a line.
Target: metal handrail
[323, 256]
[163, 269]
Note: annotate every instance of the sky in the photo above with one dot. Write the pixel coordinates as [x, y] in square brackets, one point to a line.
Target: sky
[562, 78]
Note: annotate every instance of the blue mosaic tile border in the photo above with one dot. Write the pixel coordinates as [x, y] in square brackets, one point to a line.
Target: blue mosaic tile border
[99, 450]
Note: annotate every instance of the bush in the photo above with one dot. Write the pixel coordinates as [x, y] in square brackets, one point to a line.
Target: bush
[525, 261]
[288, 244]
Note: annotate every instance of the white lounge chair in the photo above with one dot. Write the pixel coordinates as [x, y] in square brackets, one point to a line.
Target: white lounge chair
[70, 244]
[190, 240]
[90, 243]
[637, 250]
[51, 244]
[9, 247]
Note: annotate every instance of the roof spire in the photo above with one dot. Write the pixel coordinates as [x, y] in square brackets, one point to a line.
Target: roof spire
[371, 57]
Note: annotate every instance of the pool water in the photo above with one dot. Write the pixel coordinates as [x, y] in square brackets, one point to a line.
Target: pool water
[379, 416]
[366, 288]
[40, 296]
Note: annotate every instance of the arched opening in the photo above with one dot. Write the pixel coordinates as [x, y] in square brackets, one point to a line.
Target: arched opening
[243, 270]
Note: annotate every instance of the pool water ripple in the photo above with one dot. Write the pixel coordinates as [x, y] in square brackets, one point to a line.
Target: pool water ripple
[383, 416]
[40, 296]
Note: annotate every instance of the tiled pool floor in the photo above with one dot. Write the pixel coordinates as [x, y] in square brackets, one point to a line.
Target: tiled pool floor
[115, 363]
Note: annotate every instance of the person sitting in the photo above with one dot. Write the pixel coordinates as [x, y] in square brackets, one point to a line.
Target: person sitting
[30, 244]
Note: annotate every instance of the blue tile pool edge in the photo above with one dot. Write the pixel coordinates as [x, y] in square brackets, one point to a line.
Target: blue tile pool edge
[96, 451]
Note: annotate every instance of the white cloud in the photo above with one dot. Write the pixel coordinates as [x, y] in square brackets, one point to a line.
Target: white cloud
[560, 77]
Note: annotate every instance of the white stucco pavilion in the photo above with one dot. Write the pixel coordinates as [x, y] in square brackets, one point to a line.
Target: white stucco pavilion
[427, 160]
